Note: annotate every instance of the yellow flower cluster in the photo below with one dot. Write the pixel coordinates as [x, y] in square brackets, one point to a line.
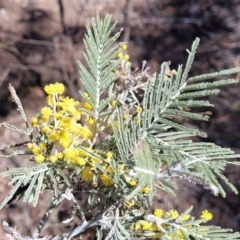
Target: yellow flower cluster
[173, 214]
[147, 226]
[90, 170]
[61, 131]
[64, 139]
[143, 225]
[57, 88]
[120, 54]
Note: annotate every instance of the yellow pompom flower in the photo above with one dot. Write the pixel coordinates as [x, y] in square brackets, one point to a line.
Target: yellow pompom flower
[45, 129]
[54, 88]
[126, 57]
[84, 132]
[91, 121]
[158, 213]
[60, 155]
[59, 88]
[53, 136]
[71, 153]
[87, 174]
[88, 106]
[114, 103]
[146, 190]
[124, 46]
[132, 182]
[39, 158]
[206, 215]
[107, 181]
[36, 150]
[145, 225]
[65, 139]
[109, 154]
[49, 99]
[30, 146]
[46, 113]
[185, 217]
[120, 55]
[81, 161]
[138, 109]
[34, 121]
[42, 145]
[173, 213]
[53, 158]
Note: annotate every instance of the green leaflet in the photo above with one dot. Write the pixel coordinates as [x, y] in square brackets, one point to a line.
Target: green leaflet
[101, 59]
[31, 177]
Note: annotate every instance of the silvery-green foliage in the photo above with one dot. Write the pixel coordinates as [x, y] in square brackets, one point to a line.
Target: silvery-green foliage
[165, 100]
[153, 144]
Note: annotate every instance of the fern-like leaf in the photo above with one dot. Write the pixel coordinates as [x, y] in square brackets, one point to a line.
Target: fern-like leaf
[31, 178]
[101, 59]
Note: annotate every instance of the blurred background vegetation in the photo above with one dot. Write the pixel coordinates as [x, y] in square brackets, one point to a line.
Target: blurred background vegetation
[40, 41]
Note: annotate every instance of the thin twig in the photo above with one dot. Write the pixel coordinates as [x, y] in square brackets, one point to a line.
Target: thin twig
[12, 234]
[62, 17]
[4, 76]
[36, 42]
[45, 217]
[127, 24]
[68, 80]
[27, 67]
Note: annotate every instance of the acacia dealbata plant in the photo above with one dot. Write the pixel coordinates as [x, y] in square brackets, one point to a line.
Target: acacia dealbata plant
[143, 146]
